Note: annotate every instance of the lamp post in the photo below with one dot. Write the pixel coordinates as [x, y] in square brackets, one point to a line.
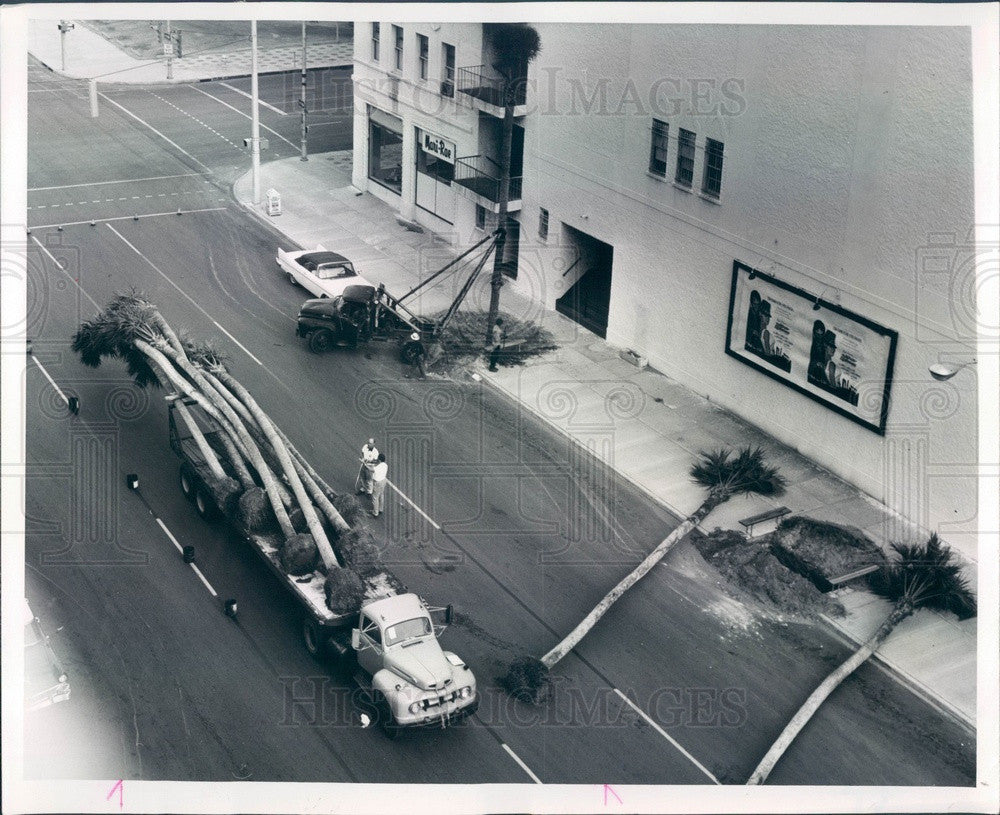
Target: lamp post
[302, 101]
[63, 28]
[255, 118]
[168, 46]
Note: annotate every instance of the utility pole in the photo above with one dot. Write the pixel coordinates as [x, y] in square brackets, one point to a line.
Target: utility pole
[302, 101]
[168, 46]
[63, 28]
[255, 119]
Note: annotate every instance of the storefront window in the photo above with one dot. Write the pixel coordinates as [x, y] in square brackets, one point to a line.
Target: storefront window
[435, 172]
[385, 150]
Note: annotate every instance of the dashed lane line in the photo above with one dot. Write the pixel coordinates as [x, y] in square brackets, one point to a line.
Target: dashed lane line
[248, 96]
[245, 115]
[127, 217]
[180, 549]
[185, 295]
[51, 380]
[667, 736]
[118, 181]
[196, 119]
[62, 269]
[521, 764]
[143, 122]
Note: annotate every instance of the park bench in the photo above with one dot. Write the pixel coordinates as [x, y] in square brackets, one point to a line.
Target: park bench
[764, 518]
[845, 578]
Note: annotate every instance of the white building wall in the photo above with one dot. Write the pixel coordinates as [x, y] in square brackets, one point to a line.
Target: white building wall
[847, 152]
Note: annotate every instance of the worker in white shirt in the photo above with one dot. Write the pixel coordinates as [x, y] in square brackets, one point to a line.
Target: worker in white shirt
[369, 457]
[378, 484]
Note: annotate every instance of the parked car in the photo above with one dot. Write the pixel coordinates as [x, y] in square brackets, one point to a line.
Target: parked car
[321, 272]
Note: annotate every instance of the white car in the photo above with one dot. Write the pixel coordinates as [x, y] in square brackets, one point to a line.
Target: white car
[320, 271]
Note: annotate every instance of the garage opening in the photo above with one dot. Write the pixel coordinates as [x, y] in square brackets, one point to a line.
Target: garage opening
[588, 299]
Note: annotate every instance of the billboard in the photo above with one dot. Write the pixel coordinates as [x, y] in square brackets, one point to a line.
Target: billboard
[824, 351]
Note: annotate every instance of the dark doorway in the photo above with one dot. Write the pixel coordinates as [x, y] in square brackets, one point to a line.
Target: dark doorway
[588, 300]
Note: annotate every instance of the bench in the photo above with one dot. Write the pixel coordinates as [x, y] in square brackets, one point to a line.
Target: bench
[844, 578]
[749, 524]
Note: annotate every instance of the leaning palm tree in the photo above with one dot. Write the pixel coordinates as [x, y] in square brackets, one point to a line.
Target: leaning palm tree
[514, 46]
[723, 475]
[924, 576]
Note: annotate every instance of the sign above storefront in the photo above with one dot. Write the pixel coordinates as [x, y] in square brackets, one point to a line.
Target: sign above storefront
[442, 148]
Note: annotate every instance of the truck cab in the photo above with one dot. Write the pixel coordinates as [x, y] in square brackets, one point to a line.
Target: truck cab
[412, 681]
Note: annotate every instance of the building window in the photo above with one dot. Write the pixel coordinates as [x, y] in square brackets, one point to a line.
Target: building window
[658, 148]
[385, 150]
[711, 183]
[448, 71]
[376, 32]
[480, 217]
[685, 158]
[423, 48]
[397, 32]
[543, 223]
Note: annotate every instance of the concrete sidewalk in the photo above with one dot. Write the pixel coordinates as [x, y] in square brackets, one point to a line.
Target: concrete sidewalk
[641, 423]
[91, 56]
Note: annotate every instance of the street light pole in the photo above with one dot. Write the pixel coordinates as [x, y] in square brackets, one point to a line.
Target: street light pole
[302, 101]
[255, 119]
[170, 54]
[63, 28]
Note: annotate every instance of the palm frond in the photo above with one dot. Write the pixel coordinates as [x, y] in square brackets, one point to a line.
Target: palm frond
[204, 353]
[925, 575]
[745, 472]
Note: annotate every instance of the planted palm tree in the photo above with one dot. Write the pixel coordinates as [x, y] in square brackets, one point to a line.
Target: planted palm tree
[724, 475]
[514, 46]
[923, 576]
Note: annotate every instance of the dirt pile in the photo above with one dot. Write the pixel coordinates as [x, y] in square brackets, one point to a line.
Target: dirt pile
[823, 551]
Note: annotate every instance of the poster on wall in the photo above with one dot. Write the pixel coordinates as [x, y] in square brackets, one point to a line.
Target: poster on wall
[827, 353]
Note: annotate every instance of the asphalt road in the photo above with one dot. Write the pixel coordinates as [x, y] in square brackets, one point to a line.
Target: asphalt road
[533, 532]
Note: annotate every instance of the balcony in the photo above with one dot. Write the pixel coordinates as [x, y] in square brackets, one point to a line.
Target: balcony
[486, 91]
[481, 177]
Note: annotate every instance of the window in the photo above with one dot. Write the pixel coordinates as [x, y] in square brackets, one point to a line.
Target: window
[398, 36]
[685, 158]
[448, 71]
[385, 149]
[375, 40]
[711, 183]
[370, 629]
[658, 148]
[543, 223]
[480, 217]
[423, 48]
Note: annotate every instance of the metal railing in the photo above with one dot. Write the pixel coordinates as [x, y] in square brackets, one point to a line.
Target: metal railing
[476, 81]
[481, 174]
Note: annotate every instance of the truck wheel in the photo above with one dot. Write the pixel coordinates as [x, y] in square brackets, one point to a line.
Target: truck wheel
[321, 341]
[312, 636]
[188, 484]
[385, 717]
[205, 505]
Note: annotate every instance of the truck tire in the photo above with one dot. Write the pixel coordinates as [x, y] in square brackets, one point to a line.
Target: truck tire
[187, 481]
[312, 636]
[205, 505]
[321, 340]
[385, 718]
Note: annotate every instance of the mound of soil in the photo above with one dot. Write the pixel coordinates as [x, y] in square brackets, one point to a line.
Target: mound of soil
[823, 551]
[751, 567]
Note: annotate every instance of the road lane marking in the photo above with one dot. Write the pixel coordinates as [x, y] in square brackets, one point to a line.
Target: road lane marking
[59, 266]
[406, 498]
[667, 736]
[127, 217]
[521, 764]
[157, 132]
[195, 118]
[248, 96]
[180, 549]
[185, 295]
[245, 115]
[51, 380]
[120, 181]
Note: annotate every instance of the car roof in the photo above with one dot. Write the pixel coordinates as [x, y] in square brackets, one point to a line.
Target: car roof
[322, 257]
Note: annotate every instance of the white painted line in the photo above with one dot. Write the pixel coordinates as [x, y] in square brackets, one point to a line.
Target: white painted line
[208, 585]
[406, 498]
[61, 269]
[184, 294]
[248, 96]
[521, 764]
[51, 380]
[245, 115]
[667, 736]
[173, 540]
[157, 132]
[120, 181]
[127, 217]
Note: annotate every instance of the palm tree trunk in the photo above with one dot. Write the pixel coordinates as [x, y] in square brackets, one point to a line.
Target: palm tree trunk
[204, 448]
[828, 685]
[573, 638]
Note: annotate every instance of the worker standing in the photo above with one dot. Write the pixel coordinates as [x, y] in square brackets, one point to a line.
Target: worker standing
[379, 477]
[414, 353]
[497, 337]
[369, 458]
